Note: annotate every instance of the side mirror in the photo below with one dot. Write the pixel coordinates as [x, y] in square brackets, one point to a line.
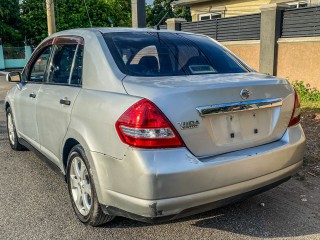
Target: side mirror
[14, 77]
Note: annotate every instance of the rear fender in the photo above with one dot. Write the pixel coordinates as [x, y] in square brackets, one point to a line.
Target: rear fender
[74, 134]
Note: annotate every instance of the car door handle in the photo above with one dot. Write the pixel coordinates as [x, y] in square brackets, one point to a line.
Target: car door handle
[32, 95]
[65, 101]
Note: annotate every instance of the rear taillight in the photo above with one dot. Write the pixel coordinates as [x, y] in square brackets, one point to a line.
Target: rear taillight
[143, 125]
[295, 118]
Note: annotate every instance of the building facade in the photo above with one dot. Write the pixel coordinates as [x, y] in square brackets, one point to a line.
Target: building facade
[208, 9]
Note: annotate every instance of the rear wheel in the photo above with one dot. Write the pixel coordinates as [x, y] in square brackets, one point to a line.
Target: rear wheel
[82, 191]
[12, 133]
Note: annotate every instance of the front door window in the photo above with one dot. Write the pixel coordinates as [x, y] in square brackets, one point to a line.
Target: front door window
[38, 72]
[61, 64]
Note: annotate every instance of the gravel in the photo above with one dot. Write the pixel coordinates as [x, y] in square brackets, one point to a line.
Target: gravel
[311, 124]
[35, 205]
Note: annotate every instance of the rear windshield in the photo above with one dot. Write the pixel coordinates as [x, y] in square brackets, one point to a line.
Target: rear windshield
[169, 54]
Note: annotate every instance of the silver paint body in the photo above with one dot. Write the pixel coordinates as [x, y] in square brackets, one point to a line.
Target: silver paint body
[211, 167]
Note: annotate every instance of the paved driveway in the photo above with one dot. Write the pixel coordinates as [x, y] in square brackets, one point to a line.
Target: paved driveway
[34, 204]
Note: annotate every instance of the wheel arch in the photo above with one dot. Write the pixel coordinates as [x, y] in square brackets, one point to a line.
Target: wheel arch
[68, 145]
[73, 138]
[7, 105]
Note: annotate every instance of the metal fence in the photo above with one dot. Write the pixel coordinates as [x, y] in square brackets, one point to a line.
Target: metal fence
[245, 27]
[208, 27]
[14, 52]
[301, 22]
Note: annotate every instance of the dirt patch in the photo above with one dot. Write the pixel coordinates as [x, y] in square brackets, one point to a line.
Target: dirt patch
[310, 121]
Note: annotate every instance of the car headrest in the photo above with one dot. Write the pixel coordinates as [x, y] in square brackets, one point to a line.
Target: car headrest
[150, 62]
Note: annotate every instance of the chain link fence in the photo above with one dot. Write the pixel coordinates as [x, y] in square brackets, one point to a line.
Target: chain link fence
[14, 52]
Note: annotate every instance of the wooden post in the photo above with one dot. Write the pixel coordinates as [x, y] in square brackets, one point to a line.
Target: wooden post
[138, 9]
[51, 22]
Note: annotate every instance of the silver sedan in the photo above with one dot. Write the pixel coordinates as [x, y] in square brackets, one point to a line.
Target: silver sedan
[153, 125]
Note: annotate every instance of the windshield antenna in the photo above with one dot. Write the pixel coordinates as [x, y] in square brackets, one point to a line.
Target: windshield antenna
[158, 25]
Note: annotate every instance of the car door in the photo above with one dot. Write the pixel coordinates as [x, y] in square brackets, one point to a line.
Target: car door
[26, 96]
[57, 95]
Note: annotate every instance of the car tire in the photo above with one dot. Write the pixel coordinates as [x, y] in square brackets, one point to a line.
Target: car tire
[12, 132]
[82, 190]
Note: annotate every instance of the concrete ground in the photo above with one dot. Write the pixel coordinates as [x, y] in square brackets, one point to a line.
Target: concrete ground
[34, 204]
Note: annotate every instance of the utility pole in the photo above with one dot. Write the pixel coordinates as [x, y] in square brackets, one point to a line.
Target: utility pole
[50, 17]
[138, 8]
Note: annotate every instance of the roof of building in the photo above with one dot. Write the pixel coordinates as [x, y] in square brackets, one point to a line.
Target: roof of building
[187, 2]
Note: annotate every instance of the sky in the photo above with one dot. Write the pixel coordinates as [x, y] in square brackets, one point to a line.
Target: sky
[149, 1]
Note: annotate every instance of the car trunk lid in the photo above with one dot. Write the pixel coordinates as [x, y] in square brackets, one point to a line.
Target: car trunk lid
[210, 114]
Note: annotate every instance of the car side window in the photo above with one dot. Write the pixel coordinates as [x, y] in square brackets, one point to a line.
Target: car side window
[38, 72]
[76, 76]
[61, 64]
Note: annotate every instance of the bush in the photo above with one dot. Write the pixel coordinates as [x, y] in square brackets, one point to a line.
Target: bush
[309, 97]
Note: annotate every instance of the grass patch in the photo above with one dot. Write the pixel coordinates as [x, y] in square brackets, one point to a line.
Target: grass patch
[309, 97]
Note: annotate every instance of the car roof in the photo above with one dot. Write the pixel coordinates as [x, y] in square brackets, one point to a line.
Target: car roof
[102, 30]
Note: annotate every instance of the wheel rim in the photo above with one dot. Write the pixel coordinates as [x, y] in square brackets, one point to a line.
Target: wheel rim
[11, 129]
[80, 186]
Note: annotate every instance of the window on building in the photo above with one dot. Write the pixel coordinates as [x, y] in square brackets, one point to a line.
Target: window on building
[208, 16]
[298, 4]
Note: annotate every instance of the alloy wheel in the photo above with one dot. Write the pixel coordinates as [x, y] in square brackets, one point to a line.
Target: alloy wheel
[11, 129]
[81, 188]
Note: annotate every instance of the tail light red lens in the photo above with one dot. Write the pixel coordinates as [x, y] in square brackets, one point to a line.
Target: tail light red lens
[143, 125]
[296, 114]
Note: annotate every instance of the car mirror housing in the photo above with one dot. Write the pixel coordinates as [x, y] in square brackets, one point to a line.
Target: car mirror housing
[14, 77]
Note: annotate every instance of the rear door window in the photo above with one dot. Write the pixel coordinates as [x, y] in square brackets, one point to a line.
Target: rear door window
[76, 76]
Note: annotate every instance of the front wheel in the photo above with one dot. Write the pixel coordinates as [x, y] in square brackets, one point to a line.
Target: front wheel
[82, 191]
[12, 132]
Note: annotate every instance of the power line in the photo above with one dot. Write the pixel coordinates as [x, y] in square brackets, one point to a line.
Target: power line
[58, 20]
[85, 4]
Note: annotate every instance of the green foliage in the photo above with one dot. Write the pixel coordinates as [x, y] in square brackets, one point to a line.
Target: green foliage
[33, 15]
[28, 20]
[121, 12]
[309, 97]
[159, 8]
[72, 14]
[9, 21]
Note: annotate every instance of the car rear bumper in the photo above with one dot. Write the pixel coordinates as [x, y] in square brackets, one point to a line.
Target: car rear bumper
[151, 184]
[156, 215]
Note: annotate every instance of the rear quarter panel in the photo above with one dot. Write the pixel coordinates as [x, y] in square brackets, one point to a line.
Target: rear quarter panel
[93, 120]
[92, 124]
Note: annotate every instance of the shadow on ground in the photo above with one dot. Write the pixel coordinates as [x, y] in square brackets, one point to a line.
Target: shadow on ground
[247, 218]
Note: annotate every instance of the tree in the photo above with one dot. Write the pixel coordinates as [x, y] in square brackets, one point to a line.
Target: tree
[34, 20]
[73, 14]
[159, 8]
[101, 13]
[121, 15]
[10, 21]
